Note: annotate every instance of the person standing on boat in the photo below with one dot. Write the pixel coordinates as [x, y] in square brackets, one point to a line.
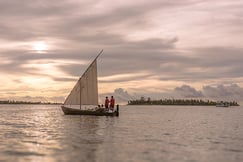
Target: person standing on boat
[107, 103]
[112, 103]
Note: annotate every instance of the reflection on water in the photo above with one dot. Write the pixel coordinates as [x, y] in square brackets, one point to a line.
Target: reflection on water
[155, 133]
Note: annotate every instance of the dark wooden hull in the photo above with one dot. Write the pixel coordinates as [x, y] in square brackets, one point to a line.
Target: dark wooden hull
[72, 111]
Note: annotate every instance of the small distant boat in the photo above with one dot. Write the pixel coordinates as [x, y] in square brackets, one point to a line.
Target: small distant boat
[83, 99]
[222, 104]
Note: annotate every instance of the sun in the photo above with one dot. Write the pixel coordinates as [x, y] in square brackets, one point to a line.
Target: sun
[40, 47]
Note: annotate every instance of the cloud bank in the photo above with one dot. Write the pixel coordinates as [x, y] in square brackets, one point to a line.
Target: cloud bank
[153, 48]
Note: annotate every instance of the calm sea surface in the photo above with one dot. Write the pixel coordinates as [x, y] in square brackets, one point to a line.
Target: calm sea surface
[140, 133]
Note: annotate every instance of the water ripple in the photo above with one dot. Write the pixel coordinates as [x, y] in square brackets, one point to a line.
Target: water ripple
[140, 133]
[22, 153]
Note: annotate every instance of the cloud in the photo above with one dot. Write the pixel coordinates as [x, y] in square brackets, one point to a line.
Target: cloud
[230, 92]
[208, 63]
[121, 96]
[186, 91]
[158, 55]
[72, 20]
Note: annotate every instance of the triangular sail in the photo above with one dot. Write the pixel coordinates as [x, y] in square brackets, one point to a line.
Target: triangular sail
[74, 96]
[89, 87]
[85, 92]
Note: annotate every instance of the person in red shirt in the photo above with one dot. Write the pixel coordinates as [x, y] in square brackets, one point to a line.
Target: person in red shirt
[106, 103]
[112, 103]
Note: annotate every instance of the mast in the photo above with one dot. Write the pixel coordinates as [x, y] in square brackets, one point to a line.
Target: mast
[80, 93]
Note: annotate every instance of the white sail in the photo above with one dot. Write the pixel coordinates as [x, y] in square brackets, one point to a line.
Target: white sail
[85, 92]
[74, 96]
[89, 87]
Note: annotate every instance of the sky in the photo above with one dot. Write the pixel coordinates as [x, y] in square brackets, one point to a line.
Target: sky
[157, 48]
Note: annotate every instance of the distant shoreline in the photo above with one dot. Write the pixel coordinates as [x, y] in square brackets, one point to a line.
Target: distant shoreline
[28, 102]
[179, 102]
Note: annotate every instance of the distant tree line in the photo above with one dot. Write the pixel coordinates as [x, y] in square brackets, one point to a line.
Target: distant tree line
[26, 102]
[198, 102]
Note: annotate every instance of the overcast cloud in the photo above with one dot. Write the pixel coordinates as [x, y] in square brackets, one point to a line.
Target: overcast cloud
[159, 48]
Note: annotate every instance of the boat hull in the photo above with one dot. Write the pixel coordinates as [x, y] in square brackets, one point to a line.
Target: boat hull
[72, 111]
[222, 106]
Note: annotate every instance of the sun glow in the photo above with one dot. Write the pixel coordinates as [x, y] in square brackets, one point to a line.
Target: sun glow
[40, 47]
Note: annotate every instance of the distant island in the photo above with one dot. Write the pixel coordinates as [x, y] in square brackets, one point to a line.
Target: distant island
[192, 102]
[28, 102]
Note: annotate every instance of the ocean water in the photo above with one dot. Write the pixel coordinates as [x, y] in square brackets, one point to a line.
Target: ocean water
[140, 134]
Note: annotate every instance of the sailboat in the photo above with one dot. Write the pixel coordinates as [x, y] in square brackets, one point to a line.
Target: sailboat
[83, 99]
